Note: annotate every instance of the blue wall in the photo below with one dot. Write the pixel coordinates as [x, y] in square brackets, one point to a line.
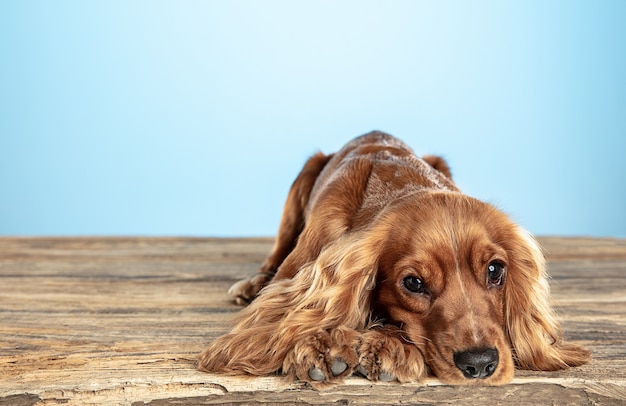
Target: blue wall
[193, 117]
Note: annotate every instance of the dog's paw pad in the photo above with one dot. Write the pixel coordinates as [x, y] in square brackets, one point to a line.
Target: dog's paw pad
[382, 376]
[361, 371]
[325, 357]
[386, 377]
[338, 367]
[316, 374]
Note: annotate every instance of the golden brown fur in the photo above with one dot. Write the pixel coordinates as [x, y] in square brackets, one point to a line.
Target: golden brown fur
[382, 266]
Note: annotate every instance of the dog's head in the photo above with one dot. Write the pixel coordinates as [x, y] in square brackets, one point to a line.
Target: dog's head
[468, 288]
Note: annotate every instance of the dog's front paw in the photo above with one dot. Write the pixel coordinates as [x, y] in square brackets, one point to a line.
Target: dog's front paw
[324, 357]
[385, 357]
[246, 289]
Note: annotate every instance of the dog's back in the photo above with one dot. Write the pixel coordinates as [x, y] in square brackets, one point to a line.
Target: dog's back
[368, 173]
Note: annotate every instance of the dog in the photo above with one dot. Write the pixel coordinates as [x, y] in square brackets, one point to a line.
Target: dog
[382, 267]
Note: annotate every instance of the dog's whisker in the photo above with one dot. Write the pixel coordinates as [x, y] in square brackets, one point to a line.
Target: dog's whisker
[408, 340]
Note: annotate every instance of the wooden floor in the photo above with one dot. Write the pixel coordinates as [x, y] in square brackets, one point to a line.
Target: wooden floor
[122, 320]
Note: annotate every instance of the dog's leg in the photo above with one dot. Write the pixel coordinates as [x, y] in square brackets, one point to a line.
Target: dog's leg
[291, 225]
[324, 357]
[385, 356]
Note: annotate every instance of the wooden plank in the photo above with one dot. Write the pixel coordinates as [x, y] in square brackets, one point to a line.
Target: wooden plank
[122, 320]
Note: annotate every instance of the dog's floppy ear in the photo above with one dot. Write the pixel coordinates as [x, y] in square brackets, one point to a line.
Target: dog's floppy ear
[334, 290]
[530, 321]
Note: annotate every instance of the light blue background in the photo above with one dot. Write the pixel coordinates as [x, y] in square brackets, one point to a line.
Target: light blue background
[193, 117]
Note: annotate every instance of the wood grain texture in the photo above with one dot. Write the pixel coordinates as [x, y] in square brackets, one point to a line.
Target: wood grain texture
[122, 320]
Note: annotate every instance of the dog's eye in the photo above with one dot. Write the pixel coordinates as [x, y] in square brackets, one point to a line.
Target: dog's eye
[413, 284]
[495, 273]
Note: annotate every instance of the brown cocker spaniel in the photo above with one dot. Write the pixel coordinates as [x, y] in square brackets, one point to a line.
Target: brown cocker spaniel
[383, 267]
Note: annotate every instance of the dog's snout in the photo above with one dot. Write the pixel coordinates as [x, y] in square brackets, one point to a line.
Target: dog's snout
[477, 363]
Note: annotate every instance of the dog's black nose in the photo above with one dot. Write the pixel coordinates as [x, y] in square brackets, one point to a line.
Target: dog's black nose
[477, 363]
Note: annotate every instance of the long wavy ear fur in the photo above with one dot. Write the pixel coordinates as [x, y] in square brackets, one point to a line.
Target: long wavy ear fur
[530, 321]
[333, 290]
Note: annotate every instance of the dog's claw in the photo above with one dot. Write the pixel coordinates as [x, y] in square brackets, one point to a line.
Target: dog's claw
[338, 367]
[316, 374]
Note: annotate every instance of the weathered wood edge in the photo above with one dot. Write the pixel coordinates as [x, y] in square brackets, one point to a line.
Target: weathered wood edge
[223, 390]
